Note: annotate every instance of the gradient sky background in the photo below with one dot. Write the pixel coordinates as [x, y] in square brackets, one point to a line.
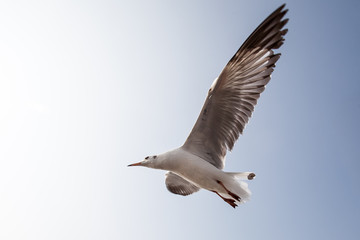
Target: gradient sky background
[87, 87]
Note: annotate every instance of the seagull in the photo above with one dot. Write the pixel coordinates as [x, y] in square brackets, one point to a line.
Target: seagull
[229, 104]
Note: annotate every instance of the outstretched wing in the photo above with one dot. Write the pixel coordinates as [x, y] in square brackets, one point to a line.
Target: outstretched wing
[233, 95]
[178, 185]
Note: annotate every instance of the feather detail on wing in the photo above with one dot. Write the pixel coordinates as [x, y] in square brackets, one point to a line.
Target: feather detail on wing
[234, 94]
[178, 185]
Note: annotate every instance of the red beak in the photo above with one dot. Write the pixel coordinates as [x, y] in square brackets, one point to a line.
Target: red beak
[134, 164]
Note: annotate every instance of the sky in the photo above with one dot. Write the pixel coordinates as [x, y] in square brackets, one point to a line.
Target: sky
[88, 87]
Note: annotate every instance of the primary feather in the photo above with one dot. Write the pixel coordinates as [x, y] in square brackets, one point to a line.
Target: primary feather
[234, 94]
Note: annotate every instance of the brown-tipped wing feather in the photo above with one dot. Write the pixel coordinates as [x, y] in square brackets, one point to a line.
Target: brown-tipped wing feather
[233, 96]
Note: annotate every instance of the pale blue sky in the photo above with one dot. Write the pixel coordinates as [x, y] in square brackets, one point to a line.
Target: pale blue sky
[87, 87]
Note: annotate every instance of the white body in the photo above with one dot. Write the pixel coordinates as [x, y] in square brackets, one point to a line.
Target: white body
[203, 174]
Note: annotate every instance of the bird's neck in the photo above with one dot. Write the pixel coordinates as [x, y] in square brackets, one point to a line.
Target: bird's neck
[165, 161]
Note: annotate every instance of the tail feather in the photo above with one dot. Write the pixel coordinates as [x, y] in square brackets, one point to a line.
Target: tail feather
[238, 187]
[242, 175]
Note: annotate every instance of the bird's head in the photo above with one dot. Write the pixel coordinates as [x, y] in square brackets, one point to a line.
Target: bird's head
[148, 161]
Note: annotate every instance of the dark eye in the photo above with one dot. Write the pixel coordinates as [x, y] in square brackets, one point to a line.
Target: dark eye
[147, 157]
[155, 156]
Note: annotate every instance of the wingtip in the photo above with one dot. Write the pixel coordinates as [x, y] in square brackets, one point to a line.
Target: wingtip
[282, 6]
[279, 9]
[284, 32]
[282, 10]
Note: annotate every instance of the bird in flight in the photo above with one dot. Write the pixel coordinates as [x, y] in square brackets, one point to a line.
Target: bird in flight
[230, 101]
